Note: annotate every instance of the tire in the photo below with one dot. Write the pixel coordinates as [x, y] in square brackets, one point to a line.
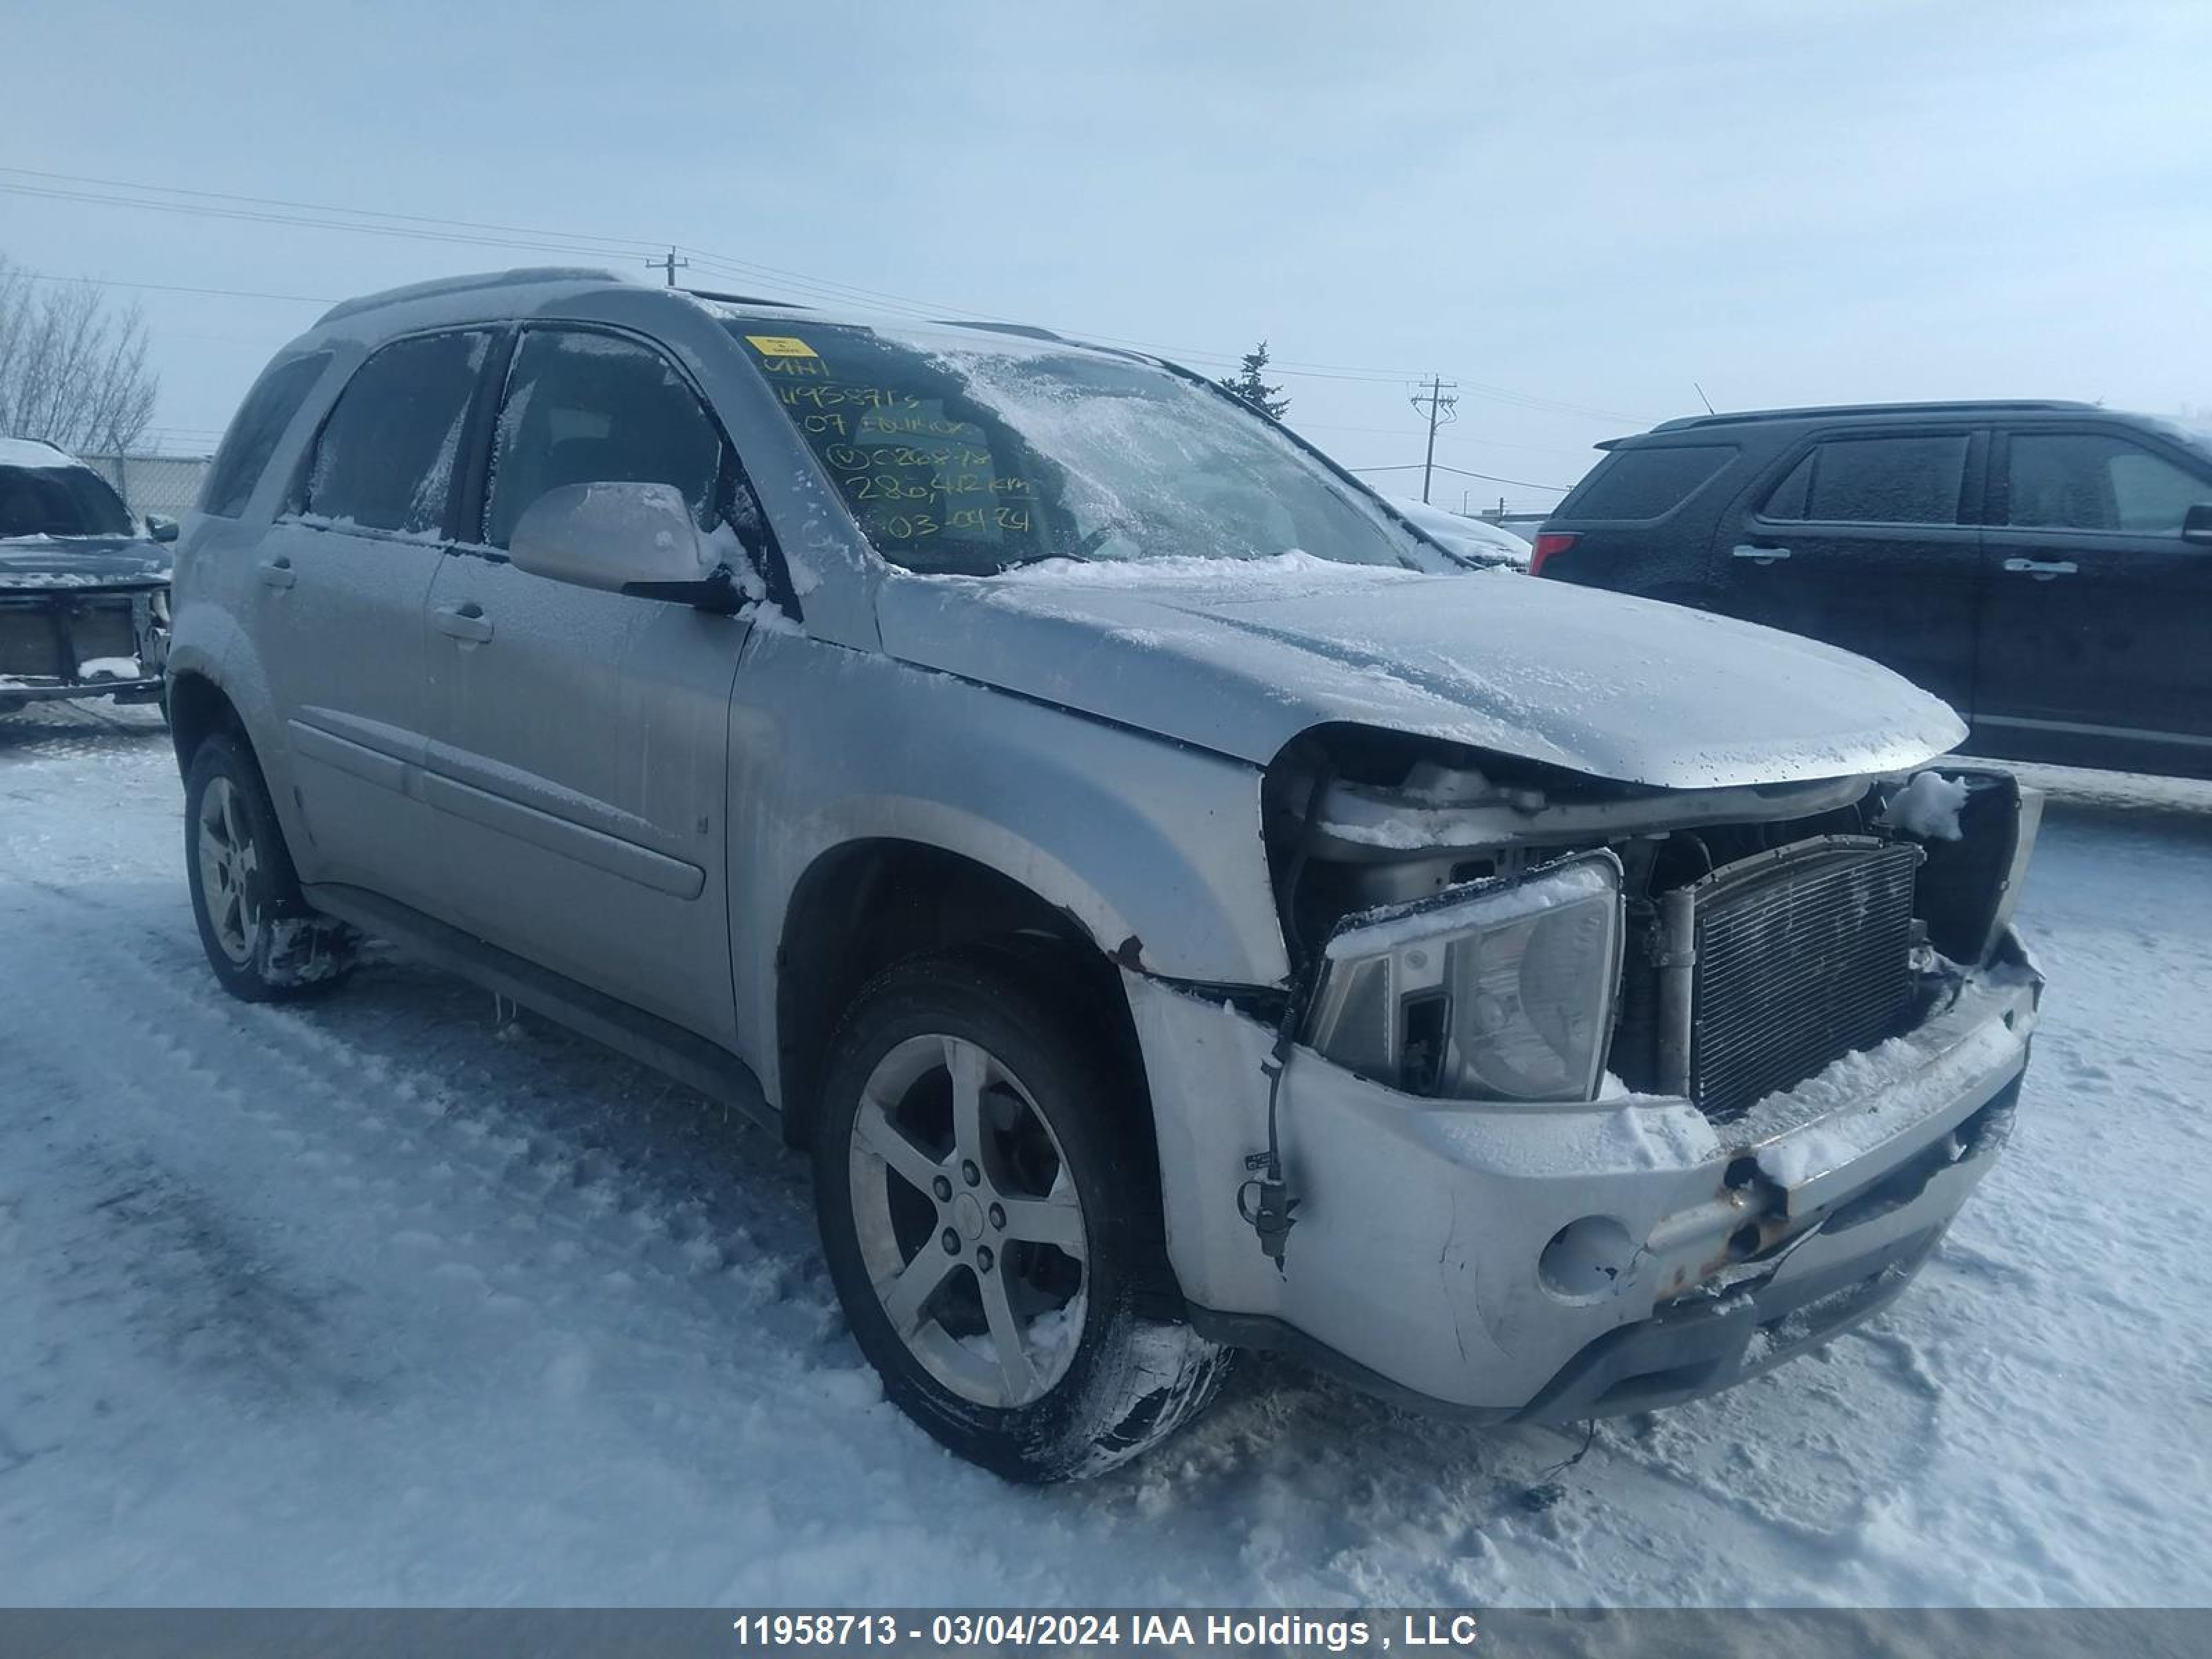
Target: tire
[262, 939]
[1009, 1280]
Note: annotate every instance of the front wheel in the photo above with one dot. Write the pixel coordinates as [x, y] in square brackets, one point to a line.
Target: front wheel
[992, 1222]
[262, 938]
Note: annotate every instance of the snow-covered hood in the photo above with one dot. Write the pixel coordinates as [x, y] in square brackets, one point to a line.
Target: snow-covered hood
[81, 562]
[1240, 658]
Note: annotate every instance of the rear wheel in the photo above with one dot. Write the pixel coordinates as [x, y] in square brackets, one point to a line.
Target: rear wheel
[991, 1223]
[261, 937]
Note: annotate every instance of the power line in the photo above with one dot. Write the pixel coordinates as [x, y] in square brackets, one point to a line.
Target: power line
[178, 288]
[254, 216]
[1487, 477]
[1448, 437]
[414, 227]
[629, 242]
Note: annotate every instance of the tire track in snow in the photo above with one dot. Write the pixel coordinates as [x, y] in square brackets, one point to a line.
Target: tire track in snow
[195, 1034]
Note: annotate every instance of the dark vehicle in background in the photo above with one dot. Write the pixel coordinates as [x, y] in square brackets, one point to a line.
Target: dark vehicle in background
[84, 587]
[2045, 567]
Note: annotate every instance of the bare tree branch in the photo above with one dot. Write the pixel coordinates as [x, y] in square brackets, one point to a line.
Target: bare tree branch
[72, 365]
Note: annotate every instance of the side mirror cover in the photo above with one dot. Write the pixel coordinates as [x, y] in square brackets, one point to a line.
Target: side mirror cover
[160, 527]
[621, 537]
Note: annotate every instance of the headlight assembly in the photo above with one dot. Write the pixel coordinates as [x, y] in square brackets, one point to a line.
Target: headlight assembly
[1502, 992]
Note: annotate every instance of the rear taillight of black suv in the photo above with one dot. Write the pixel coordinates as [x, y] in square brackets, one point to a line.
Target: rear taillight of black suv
[1549, 544]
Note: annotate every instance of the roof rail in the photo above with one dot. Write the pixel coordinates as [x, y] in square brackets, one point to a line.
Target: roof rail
[467, 284]
[1022, 330]
[1815, 412]
[743, 299]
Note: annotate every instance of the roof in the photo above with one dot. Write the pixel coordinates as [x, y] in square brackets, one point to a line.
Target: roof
[1845, 411]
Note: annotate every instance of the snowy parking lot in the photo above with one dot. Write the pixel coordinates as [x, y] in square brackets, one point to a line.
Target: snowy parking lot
[380, 1299]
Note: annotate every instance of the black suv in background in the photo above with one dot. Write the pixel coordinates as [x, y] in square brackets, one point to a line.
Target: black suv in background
[2045, 567]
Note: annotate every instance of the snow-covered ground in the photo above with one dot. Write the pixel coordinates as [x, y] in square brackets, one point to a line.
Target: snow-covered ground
[374, 1301]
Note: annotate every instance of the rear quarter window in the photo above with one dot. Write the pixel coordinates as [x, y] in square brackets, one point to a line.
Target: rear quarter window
[255, 431]
[1647, 482]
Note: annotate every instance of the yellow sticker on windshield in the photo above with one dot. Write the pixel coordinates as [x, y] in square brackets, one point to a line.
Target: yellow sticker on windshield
[779, 345]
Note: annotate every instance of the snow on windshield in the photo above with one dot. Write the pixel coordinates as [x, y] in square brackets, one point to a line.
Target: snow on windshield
[971, 457]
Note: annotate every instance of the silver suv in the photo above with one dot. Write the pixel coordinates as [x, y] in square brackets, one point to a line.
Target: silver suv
[1182, 908]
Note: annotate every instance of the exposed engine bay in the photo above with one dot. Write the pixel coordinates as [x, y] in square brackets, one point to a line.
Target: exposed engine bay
[1470, 928]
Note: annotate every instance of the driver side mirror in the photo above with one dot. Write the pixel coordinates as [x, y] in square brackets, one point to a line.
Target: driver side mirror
[636, 538]
[160, 527]
[2197, 523]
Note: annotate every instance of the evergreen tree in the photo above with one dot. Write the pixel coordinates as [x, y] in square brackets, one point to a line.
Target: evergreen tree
[1249, 384]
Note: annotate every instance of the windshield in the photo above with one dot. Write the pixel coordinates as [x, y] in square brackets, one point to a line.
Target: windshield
[968, 458]
[60, 500]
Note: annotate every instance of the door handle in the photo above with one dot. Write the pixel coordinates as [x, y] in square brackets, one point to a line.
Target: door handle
[1761, 555]
[2042, 572]
[277, 573]
[466, 622]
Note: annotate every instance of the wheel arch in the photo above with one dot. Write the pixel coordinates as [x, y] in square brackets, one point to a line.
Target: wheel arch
[199, 709]
[865, 904]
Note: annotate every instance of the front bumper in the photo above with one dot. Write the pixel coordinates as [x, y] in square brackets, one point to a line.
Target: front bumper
[1551, 1263]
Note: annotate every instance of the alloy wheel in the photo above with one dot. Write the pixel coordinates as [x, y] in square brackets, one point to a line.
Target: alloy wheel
[229, 864]
[969, 1221]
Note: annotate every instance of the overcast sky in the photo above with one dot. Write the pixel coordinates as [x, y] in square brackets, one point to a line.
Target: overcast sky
[1593, 206]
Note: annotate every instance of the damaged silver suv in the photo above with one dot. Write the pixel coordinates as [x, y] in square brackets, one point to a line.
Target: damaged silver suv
[1181, 907]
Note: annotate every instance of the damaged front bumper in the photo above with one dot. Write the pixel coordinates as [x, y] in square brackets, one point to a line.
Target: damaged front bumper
[83, 641]
[1552, 1262]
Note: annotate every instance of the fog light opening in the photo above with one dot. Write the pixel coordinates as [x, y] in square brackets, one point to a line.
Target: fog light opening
[1587, 1260]
[1746, 1241]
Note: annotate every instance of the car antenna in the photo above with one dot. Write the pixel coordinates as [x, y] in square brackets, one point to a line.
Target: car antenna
[1704, 399]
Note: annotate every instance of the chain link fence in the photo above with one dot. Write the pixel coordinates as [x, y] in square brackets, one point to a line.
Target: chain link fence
[152, 483]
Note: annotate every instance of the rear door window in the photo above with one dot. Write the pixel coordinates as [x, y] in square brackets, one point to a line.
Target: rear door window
[1647, 483]
[584, 407]
[1893, 480]
[255, 431]
[2096, 481]
[385, 460]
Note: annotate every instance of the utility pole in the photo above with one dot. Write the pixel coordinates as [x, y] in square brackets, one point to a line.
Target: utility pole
[1438, 402]
[670, 263]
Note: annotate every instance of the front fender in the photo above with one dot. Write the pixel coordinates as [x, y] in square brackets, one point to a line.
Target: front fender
[1154, 849]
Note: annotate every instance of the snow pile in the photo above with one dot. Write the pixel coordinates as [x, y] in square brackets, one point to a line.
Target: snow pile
[1928, 807]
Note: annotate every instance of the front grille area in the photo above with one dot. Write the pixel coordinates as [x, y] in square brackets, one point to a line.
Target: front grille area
[31, 647]
[48, 638]
[1803, 955]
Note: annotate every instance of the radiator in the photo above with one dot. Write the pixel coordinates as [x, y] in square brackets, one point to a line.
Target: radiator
[1803, 955]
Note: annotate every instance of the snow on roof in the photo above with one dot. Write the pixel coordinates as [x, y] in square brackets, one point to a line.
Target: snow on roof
[33, 452]
[1462, 533]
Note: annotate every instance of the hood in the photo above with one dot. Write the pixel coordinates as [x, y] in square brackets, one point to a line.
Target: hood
[1240, 658]
[82, 562]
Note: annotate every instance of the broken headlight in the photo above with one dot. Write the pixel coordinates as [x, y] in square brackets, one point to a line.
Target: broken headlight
[1503, 993]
